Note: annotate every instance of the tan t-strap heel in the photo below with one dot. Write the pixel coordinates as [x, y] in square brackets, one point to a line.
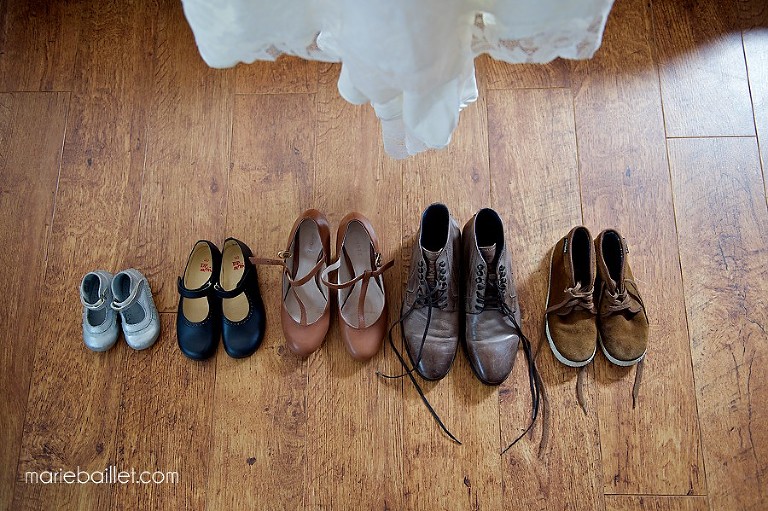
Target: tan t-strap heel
[305, 307]
[356, 276]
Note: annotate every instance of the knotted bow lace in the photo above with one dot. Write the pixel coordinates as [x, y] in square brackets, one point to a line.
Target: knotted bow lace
[577, 297]
[622, 300]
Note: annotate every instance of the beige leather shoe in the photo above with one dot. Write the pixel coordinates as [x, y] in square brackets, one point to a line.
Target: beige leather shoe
[305, 311]
[359, 287]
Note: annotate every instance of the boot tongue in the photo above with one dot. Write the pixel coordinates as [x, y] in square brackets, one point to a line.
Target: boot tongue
[488, 253]
[431, 258]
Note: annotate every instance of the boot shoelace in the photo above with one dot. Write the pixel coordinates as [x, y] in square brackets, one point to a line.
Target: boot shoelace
[491, 293]
[489, 297]
[627, 298]
[624, 300]
[431, 294]
[577, 297]
[617, 302]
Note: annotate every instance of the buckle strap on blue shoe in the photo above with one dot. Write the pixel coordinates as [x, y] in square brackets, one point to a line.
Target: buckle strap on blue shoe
[239, 288]
[204, 290]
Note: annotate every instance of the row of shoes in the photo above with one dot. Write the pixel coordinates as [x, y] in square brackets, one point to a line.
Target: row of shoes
[593, 300]
[124, 298]
[433, 309]
[219, 297]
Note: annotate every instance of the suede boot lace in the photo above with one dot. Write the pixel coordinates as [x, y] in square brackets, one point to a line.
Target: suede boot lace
[623, 300]
[620, 301]
[577, 297]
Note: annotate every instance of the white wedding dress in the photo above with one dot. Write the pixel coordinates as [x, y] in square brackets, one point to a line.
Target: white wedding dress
[413, 60]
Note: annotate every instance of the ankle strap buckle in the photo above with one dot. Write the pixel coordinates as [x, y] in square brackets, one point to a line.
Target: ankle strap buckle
[200, 292]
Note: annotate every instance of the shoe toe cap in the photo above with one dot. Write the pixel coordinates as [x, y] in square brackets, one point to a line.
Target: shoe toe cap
[303, 340]
[575, 339]
[624, 339]
[101, 341]
[436, 357]
[364, 343]
[145, 338]
[492, 361]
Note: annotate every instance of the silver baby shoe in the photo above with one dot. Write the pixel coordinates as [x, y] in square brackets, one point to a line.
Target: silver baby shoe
[138, 314]
[99, 320]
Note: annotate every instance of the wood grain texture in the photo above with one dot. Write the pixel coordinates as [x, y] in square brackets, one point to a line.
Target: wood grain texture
[532, 140]
[347, 403]
[74, 397]
[31, 135]
[655, 448]
[701, 68]
[723, 232]
[259, 433]
[438, 473]
[285, 75]
[653, 503]
[184, 187]
[756, 54]
[495, 74]
[38, 44]
[164, 425]
[159, 151]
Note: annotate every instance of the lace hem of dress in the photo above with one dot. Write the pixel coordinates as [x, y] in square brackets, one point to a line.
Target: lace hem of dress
[418, 110]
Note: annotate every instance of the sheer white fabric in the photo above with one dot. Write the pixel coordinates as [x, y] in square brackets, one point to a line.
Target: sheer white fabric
[412, 60]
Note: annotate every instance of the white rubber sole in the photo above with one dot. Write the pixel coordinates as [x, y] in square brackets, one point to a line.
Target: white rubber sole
[616, 361]
[559, 356]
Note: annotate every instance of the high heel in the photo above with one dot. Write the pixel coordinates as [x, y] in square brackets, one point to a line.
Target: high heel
[359, 287]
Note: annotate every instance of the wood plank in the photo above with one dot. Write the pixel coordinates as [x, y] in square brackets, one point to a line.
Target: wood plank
[31, 135]
[723, 231]
[74, 397]
[354, 418]
[184, 190]
[259, 436]
[38, 44]
[285, 75]
[494, 74]
[654, 503]
[165, 425]
[655, 448]
[701, 68]
[438, 473]
[756, 54]
[532, 140]
[183, 198]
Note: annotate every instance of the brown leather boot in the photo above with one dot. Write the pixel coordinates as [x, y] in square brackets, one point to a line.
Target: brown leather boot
[431, 312]
[491, 308]
[622, 320]
[570, 320]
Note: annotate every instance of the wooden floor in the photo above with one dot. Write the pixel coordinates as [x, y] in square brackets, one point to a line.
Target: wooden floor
[119, 148]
